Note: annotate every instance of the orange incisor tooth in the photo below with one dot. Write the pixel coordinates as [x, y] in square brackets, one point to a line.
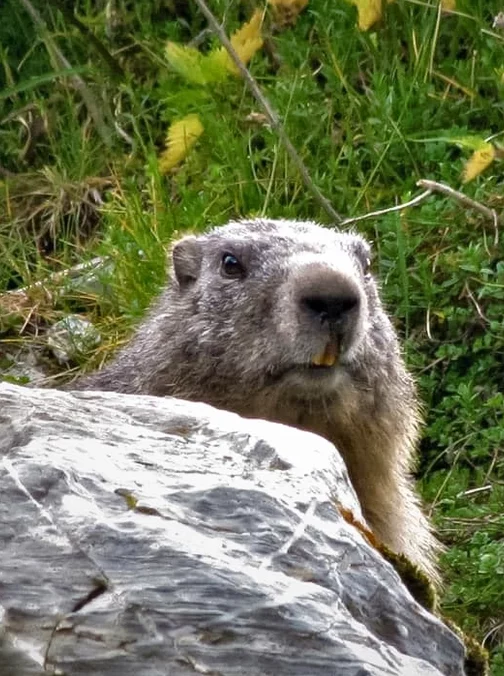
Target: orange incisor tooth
[328, 357]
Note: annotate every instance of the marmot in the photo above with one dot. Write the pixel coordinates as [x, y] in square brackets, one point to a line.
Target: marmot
[282, 320]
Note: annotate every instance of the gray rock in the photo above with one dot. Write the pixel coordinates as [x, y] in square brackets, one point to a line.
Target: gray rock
[144, 536]
[72, 337]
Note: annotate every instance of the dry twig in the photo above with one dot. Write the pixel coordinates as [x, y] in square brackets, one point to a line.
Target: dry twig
[18, 300]
[388, 210]
[464, 200]
[442, 188]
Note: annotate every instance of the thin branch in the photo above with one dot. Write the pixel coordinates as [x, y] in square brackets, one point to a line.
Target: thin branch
[96, 263]
[381, 212]
[466, 201]
[61, 61]
[474, 491]
[22, 295]
[114, 66]
[269, 111]
[430, 188]
[491, 214]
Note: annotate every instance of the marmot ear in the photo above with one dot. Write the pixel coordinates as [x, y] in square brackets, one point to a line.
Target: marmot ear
[186, 257]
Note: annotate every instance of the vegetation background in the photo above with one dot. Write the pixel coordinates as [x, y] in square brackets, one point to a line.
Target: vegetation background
[87, 93]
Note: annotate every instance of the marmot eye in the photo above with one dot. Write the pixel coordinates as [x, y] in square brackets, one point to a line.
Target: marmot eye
[231, 266]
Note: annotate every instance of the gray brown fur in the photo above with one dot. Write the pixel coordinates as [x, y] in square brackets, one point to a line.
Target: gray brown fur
[246, 343]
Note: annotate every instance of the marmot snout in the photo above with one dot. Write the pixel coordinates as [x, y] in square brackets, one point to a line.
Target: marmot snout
[331, 310]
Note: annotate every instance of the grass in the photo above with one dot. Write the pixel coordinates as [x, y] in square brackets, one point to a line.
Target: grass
[370, 113]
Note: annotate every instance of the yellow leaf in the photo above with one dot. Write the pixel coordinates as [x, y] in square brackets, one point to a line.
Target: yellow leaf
[295, 5]
[246, 42]
[286, 11]
[182, 135]
[369, 11]
[217, 64]
[448, 4]
[187, 61]
[478, 162]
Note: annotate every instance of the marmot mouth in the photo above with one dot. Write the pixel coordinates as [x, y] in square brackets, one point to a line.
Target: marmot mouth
[305, 371]
[328, 358]
[319, 366]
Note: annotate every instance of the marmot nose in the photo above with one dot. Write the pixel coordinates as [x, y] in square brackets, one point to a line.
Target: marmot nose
[329, 300]
[331, 309]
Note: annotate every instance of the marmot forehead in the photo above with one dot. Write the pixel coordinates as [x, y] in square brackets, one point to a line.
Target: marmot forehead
[293, 235]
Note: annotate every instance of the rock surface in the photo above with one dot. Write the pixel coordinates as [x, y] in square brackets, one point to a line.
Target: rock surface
[143, 536]
[72, 337]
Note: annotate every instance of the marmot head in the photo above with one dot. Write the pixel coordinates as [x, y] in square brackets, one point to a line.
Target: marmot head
[278, 302]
